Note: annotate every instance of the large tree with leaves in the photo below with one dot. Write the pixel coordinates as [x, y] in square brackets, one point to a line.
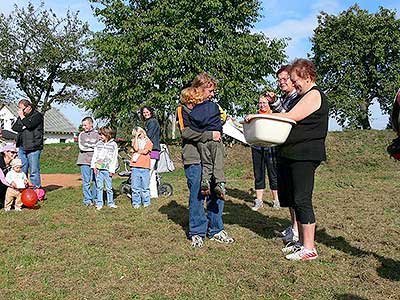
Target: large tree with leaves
[357, 54]
[150, 49]
[44, 55]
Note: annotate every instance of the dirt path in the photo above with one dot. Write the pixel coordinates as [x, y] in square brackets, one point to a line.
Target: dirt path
[61, 180]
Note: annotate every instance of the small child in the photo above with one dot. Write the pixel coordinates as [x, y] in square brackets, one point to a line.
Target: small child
[104, 163]
[207, 116]
[18, 181]
[140, 172]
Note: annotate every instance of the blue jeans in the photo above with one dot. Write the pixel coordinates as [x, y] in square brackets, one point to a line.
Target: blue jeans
[140, 184]
[200, 223]
[103, 176]
[31, 160]
[89, 197]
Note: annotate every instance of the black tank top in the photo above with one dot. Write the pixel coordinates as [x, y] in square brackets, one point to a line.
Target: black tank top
[306, 141]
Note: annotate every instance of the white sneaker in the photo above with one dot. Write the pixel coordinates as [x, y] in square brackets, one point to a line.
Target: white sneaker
[257, 204]
[136, 206]
[222, 237]
[7, 209]
[112, 206]
[99, 207]
[292, 247]
[17, 208]
[303, 254]
[197, 241]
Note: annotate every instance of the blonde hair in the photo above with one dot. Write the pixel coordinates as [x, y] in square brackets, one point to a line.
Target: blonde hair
[191, 95]
[138, 130]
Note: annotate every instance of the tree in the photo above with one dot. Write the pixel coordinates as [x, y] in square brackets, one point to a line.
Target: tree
[357, 55]
[150, 49]
[44, 55]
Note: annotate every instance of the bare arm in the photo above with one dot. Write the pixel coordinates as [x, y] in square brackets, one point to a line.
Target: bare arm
[305, 107]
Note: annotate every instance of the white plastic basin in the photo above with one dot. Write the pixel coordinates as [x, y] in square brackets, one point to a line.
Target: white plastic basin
[267, 130]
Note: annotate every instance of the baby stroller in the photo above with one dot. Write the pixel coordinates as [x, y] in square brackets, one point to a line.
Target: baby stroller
[163, 165]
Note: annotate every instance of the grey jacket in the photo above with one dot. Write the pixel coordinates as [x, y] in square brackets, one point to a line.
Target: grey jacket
[87, 141]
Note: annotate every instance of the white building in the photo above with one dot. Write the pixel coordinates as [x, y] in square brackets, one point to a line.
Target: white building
[57, 128]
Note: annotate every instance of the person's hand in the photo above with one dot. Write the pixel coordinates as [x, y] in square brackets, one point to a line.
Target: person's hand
[111, 174]
[248, 118]
[270, 97]
[13, 185]
[21, 113]
[95, 171]
[216, 136]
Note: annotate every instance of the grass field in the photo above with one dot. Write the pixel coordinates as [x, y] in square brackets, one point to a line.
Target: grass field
[64, 251]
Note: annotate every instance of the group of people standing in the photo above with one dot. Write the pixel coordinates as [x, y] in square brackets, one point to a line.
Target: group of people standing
[98, 161]
[291, 166]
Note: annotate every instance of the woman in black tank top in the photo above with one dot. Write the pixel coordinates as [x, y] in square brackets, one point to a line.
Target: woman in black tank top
[301, 154]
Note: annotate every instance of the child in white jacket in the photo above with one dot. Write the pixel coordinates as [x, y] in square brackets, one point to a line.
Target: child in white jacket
[104, 163]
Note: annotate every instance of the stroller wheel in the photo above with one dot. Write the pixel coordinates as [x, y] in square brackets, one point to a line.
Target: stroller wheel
[165, 189]
[125, 189]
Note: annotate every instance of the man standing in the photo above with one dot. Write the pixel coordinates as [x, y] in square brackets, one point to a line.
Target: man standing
[30, 127]
[87, 141]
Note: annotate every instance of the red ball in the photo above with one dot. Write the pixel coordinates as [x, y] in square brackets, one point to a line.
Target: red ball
[29, 198]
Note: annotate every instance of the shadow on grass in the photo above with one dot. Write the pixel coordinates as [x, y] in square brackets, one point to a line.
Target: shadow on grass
[52, 187]
[348, 297]
[239, 194]
[389, 268]
[264, 226]
[177, 213]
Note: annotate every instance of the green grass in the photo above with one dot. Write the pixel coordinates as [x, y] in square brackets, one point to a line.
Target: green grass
[59, 158]
[64, 251]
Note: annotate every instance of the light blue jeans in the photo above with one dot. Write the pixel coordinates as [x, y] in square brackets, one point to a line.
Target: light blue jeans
[31, 160]
[89, 197]
[140, 184]
[200, 223]
[103, 176]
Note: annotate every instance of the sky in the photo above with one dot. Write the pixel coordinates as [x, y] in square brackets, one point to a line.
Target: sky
[293, 19]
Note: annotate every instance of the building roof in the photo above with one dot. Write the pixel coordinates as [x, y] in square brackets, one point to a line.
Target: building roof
[54, 120]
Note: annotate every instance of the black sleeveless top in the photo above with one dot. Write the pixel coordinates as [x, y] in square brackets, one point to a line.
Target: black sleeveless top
[306, 141]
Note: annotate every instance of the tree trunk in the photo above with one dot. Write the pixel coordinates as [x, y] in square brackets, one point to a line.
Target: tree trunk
[364, 118]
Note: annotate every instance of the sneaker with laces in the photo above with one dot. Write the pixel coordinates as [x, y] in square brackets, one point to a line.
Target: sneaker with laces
[303, 254]
[289, 235]
[257, 204]
[291, 247]
[220, 190]
[7, 209]
[222, 237]
[112, 206]
[276, 204]
[99, 207]
[197, 241]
